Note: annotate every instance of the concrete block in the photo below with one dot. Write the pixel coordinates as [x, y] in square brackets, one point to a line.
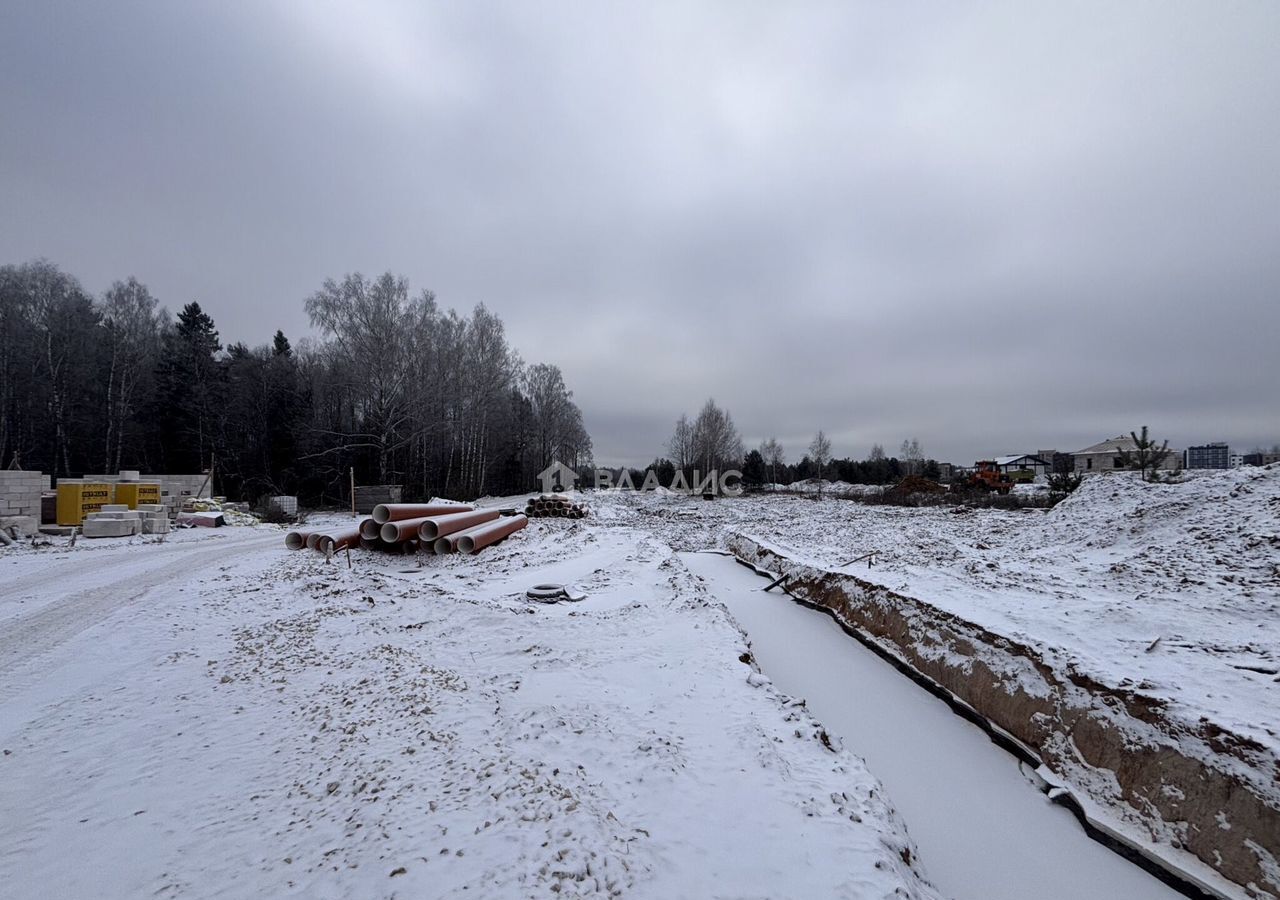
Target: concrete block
[155, 525]
[202, 519]
[22, 526]
[115, 514]
[96, 528]
[115, 507]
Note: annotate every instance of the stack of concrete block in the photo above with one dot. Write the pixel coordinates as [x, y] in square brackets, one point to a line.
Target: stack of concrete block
[174, 489]
[118, 520]
[113, 520]
[20, 493]
[155, 518]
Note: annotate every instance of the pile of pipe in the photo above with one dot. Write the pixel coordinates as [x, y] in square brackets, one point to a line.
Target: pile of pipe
[438, 528]
[546, 506]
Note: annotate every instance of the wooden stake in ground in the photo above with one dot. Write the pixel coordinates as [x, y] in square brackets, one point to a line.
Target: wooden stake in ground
[353, 492]
[208, 479]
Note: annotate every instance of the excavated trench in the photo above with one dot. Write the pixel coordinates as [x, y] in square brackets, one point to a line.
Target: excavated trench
[1112, 760]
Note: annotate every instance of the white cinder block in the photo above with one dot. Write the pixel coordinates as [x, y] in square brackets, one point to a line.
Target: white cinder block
[95, 528]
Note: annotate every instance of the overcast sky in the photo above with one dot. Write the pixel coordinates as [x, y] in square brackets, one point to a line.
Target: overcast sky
[996, 228]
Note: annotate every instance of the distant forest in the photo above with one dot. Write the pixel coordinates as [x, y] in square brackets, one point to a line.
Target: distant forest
[398, 388]
[711, 442]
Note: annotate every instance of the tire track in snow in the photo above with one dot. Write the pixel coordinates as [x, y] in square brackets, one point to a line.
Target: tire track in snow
[94, 567]
[27, 637]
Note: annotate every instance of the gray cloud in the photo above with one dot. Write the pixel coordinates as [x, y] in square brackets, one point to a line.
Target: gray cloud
[995, 228]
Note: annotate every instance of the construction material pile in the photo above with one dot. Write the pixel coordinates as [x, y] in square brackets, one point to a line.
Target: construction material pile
[132, 486]
[203, 511]
[437, 528]
[118, 520]
[546, 506]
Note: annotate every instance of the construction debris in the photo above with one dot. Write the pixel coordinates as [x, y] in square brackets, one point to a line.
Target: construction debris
[554, 593]
[554, 506]
[19, 526]
[228, 513]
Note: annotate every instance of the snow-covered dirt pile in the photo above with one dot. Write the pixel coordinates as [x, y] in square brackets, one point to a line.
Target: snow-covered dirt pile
[219, 716]
[1120, 566]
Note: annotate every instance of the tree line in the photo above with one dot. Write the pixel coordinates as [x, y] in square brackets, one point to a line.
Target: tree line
[711, 442]
[768, 464]
[396, 387]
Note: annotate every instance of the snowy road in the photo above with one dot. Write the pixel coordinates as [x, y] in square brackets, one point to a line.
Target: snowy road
[984, 831]
[93, 588]
[216, 716]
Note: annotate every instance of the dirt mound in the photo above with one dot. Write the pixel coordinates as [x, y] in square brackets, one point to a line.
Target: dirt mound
[1226, 523]
[913, 484]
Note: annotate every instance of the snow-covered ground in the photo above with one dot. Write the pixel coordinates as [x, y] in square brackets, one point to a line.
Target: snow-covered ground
[1168, 590]
[214, 716]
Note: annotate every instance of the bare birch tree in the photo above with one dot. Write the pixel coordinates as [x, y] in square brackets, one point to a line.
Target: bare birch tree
[820, 453]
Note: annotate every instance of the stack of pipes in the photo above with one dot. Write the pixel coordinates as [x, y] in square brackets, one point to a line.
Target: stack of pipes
[415, 527]
[558, 505]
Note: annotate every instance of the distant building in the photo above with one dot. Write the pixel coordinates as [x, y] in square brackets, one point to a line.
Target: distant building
[1260, 459]
[1237, 460]
[1059, 463]
[1106, 456]
[1209, 456]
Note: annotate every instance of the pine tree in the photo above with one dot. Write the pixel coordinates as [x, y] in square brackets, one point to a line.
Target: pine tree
[190, 387]
[280, 344]
[1146, 456]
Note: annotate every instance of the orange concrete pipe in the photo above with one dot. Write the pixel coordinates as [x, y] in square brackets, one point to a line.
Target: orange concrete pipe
[369, 529]
[445, 545]
[479, 538]
[312, 539]
[449, 542]
[398, 530]
[338, 540]
[296, 540]
[393, 512]
[436, 527]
